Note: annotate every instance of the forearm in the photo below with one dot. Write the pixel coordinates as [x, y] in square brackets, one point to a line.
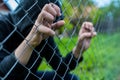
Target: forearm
[23, 52]
[78, 50]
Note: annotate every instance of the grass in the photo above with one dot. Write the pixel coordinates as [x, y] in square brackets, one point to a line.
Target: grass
[101, 60]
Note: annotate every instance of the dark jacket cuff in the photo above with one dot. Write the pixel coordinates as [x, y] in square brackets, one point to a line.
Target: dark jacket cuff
[72, 61]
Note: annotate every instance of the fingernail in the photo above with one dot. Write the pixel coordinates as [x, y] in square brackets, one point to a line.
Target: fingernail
[59, 14]
[63, 21]
[53, 33]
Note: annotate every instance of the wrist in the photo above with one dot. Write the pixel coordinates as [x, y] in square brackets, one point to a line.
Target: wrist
[76, 52]
[30, 42]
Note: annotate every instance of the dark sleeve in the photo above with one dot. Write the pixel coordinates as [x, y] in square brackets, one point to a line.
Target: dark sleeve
[9, 66]
[54, 58]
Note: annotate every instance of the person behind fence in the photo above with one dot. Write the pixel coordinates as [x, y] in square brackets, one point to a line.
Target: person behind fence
[26, 37]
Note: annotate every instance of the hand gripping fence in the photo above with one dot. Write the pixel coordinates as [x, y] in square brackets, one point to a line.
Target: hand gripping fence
[53, 57]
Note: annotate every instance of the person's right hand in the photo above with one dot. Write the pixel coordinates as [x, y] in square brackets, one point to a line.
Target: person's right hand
[86, 33]
[44, 24]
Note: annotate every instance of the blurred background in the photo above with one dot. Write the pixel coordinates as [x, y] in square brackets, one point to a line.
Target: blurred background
[101, 60]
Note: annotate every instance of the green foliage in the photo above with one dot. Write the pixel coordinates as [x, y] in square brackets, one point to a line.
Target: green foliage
[101, 60]
[74, 9]
[67, 8]
[68, 27]
[113, 8]
[96, 15]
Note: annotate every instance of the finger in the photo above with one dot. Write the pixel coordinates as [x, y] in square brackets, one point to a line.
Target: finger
[88, 26]
[58, 24]
[85, 35]
[45, 30]
[94, 34]
[49, 8]
[56, 8]
[46, 16]
[93, 29]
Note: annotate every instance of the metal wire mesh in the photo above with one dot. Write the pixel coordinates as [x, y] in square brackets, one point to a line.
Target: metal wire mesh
[74, 12]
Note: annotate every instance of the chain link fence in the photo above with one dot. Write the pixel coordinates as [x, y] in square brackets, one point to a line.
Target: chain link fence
[53, 56]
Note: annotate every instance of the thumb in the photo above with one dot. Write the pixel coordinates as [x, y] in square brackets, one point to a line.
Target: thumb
[58, 24]
[84, 35]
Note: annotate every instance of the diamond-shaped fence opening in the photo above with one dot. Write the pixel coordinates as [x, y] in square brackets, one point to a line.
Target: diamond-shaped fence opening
[53, 57]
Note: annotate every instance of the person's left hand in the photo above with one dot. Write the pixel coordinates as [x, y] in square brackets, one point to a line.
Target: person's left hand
[44, 26]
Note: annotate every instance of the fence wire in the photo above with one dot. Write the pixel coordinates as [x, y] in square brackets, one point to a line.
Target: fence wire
[95, 64]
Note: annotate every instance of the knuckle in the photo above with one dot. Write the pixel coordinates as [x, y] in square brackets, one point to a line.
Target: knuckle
[58, 9]
[88, 23]
[85, 22]
[51, 4]
[46, 6]
[43, 13]
[54, 13]
[91, 24]
[52, 18]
